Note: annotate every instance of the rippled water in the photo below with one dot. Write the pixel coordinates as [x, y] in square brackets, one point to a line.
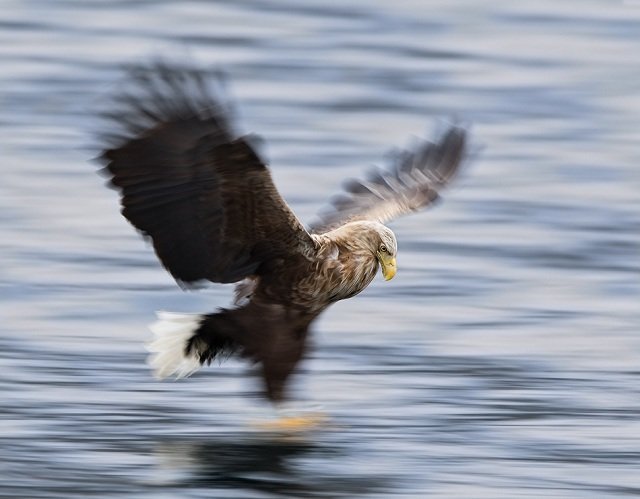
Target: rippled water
[503, 360]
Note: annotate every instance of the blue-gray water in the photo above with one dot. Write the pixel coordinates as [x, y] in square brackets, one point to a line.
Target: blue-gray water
[502, 361]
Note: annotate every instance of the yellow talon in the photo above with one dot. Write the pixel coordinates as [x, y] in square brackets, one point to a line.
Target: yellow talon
[294, 424]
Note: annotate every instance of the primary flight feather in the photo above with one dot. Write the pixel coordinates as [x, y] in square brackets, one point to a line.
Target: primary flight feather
[206, 200]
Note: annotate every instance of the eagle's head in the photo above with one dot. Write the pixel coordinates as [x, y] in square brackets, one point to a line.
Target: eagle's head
[386, 251]
[374, 239]
[369, 242]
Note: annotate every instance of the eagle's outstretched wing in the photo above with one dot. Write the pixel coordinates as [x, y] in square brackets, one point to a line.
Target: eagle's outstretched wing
[412, 181]
[199, 191]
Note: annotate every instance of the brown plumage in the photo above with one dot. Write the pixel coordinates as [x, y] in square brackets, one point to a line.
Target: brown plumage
[205, 199]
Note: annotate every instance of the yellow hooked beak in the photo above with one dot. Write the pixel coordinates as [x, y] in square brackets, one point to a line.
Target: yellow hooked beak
[388, 265]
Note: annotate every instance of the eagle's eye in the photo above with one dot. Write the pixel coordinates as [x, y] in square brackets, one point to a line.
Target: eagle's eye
[383, 248]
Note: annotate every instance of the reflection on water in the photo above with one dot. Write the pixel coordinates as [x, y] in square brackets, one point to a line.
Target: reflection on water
[502, 361]
[267, 466]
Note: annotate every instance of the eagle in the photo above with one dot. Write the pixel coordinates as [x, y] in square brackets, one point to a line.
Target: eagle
[201, 193]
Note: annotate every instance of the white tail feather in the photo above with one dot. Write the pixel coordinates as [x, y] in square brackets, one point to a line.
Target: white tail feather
[172, 331]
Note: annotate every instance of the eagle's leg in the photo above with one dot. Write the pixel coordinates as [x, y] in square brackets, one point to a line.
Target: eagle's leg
[218, 336]
[287, 349]
[185, 342]
[277, 345]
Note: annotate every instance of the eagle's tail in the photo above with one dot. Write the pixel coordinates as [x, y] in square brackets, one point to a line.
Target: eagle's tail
[168, 350]
[183, 342]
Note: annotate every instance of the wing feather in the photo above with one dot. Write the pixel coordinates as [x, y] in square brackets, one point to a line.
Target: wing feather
[412, 181]
[189, 183]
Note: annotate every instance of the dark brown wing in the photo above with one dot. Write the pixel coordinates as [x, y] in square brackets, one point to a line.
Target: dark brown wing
[200, 193]
[411, 182]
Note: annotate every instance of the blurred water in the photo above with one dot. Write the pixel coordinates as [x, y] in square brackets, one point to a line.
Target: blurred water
[503, 360]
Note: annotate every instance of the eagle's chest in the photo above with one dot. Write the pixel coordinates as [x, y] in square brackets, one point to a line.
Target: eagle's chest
[347, 274]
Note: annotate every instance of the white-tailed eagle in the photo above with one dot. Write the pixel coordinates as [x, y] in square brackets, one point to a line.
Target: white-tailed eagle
[205, 199]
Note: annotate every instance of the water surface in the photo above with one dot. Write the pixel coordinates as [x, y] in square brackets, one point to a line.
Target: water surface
[502, 361]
